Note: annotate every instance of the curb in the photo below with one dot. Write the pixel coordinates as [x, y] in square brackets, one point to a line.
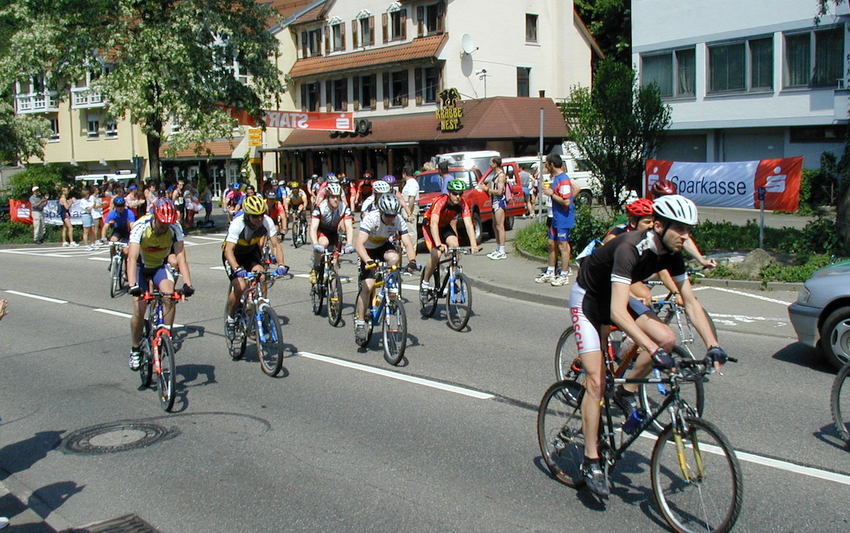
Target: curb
[749, 284]
[516, 294]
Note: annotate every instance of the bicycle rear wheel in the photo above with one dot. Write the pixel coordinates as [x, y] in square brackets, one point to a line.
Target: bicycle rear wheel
[296, 232]
[567, 364]
[165, 376]
[458, 301]
[559, 431]
[394, 331]
[334, 298]
[699, 486]
[840, 402]
[270, 342]
[428, 305]
[115, 267]
[146, 363]
[236, 344]
[693, 392]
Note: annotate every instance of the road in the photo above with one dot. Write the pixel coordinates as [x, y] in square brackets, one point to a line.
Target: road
[338, 442]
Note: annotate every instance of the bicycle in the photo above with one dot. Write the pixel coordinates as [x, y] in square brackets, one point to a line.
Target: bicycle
[839, 402]
[387, 309]
[298, 227]
[118, 281]
[255, 318]
[619, 355]
[671, 313]
[454, 287]
[696, 478]
[328, 284]
[157, 348]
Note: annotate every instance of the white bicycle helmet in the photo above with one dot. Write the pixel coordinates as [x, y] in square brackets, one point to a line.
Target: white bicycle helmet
[334, 189]
[388, 204]
[676, 208]
[381, 186]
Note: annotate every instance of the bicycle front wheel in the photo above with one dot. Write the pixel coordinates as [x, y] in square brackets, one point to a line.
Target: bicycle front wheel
[236, 342]
[296, 233]
[840, 402]
[394, 331]
[693, 392]
[115, 286]
[316, 297]
[270, 342]
[559, 431]
[458, 301]
[146, 363]
[334, 299]
[165, 376]
[428, 303]
[697, 481]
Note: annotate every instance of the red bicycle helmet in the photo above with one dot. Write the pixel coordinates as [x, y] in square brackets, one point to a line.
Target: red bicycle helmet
[642, 207]
[164, 211]
[662, 188]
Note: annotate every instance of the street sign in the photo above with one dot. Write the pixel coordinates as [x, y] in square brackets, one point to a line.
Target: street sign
[255, 137]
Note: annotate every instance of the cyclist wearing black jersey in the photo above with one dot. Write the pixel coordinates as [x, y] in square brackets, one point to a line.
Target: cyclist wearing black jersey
[600, 297]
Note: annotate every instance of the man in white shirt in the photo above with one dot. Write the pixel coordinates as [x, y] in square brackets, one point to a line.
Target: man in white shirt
[410, 193]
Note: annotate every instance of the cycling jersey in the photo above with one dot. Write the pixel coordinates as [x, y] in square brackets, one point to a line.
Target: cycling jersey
[245, 237]
[446, 212]
[619, 229]
[276, 209]
[296, 198]
[368, 205]
[379, 232]
[121, 226]
[153, 248]
[563, 217]
[329, 219]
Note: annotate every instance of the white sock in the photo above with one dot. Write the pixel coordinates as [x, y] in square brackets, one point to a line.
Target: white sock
[501, 249]
[550, 271]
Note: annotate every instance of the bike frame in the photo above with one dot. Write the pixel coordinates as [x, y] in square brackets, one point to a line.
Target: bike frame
[385, 278]
[156, 318]
[452, 265]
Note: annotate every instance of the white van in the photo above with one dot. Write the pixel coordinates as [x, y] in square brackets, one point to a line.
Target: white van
[478, 159]
[122, 177]
[587, 182]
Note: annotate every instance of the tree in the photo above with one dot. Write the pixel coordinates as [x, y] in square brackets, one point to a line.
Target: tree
[159, 59]
[610, 23]
[617, 125]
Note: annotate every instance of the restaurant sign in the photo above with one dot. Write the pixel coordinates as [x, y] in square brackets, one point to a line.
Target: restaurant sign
[450, 112]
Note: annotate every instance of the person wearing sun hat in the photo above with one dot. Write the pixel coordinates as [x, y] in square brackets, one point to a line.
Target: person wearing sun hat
[37, 203]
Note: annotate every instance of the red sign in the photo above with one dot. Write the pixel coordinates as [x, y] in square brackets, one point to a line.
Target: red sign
[19, 211]
[298, 120]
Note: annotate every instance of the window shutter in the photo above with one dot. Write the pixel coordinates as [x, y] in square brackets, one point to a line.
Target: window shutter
[384, 17]
[372, 30]
[405, 89]
[374, 101]
[419, 85]
[441, 16]
[404, 24]
[329, 95]
[386, 82]
[356, 83]
[303, 97]
[303, 44]
[342, 35]
[328, 43]
[354, 28]
[420, 21]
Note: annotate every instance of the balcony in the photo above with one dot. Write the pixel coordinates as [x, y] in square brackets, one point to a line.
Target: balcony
[37, 103]
[84, 98]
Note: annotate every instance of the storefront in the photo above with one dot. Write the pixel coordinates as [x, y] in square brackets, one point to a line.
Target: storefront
[219, 164]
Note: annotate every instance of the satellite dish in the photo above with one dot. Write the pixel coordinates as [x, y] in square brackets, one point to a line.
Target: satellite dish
[467, 44]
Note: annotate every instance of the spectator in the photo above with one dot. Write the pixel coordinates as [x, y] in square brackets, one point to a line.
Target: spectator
[560, 223]
[86, 206]
[96, 214]
[445, 176]
[496, 186]
[410, 193]
[206, 201]
[191, 205]
[177, 198]
[135, 201]
[525, 181]
[65, 203]
[37, 203]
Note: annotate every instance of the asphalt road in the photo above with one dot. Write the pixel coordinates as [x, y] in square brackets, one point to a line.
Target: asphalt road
[334, 446]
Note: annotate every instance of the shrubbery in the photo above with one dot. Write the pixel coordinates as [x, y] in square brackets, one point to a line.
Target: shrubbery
[47, 177]
[19, 233]
[533, 238]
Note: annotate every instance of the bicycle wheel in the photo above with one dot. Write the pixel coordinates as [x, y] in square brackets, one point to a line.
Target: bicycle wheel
[317, 295]
[700, 487]
[458, 301]
[394, 331]
[296, 233]
[428, 305]
[165, 376]
[270, 342]
[559, 431]
[115, 267]
[566, 353]
[840, 402]
[236, 344]
[334, 298]
[693, 392]
[146, 363]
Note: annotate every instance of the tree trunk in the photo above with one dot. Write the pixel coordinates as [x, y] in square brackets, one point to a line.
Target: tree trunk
[154, 141]
[842, 221]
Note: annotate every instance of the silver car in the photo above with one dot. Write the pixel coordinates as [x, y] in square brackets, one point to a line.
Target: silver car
[821, 314]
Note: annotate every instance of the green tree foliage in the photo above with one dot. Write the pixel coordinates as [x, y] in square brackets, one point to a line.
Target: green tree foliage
[165, 58]
[21, 136]
[610, 23]
[48, 177]
[616, 123]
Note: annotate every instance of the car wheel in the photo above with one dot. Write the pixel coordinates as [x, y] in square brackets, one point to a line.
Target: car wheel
[584, 198]
[835, 337]
[509, 223]
[476, 224]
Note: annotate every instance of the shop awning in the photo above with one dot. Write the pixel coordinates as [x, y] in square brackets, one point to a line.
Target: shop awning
[218, 149]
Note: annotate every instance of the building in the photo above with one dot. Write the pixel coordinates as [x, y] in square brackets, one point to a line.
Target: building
[765, 83]
[403, 68]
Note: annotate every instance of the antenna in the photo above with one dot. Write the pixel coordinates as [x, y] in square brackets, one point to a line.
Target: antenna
[467, 45]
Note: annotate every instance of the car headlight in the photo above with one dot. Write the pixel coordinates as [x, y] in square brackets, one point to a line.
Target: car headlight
[804, 295]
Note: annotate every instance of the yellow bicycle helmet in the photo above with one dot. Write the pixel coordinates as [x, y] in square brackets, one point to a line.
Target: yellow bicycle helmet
[254, 205]
[293, 184]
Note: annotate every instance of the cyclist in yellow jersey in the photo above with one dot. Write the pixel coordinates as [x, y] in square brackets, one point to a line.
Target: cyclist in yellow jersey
[151, 241]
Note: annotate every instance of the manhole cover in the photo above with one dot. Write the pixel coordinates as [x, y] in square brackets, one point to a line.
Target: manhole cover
[115, 437]
[123, 524]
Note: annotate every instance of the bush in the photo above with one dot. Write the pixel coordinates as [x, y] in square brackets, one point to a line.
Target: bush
[20, 233]
[798, 273]
[48, 177]
[533, 239]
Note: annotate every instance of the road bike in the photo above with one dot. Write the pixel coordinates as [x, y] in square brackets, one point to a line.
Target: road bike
[675, 315]
[454, 287]
[387, 309]
[328, 284]
[696, 478]
[256, 319]
[118, 280]
[298, 227]
[840, 403]
[157, 348]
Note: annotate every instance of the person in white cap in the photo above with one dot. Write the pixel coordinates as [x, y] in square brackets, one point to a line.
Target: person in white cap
[37, 203]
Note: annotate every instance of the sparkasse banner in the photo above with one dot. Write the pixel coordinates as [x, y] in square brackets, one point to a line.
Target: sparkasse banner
[734, 184]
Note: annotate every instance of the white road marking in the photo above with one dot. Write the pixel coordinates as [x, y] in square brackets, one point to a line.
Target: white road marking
[100, 259]
[216, 239]
[401, 377]
[756, 296]
[111, 312]
[217, 268]
[37, 297]
[410, 287]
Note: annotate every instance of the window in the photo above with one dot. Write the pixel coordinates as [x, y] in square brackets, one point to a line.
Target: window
[427, 85]
[829, 53]
[338, 36]
[339, 101]
[310, 96]
[530, 28]
[815, 58]
[363, 31]
[798, 60]
[523, 75]
[93, 126]
[726, 68]
[673, 72]
[111, 128]
[365, 95]
[761, 64]
[430, 19]
[395, 25]
[398, 88]
[54, 129]
[311, 43]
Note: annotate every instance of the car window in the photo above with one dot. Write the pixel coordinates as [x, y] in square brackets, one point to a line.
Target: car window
[467, 177]
[509, 171]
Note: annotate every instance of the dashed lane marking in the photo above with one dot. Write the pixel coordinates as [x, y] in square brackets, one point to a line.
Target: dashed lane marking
[217, 239]
[756, 296]
[111, 312]
[37, 297]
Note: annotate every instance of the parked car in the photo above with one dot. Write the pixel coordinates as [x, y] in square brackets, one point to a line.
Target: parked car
[587, 182]
[478, 159]
[821, 314]
[479, 200]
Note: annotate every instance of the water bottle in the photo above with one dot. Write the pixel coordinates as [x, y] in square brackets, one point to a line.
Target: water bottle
[635, 419]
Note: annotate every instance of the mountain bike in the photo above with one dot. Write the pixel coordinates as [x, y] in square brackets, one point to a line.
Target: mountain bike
[256, 319]
[454, 287]
[696, 478]
[118, 281]
[298, 227]
[676, 317]
[840, 403]
[387, 309]
[328, 285]
[157, 348]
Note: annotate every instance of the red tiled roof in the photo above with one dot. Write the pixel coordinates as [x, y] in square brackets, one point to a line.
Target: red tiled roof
[491, 118]
[223, 147]
[286, 8]
[317, 13]
[417, 49]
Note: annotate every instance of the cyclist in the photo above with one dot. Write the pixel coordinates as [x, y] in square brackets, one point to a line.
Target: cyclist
[331, 179]
[600, 297]
[120, 219]
[379, 187]
[296, 203]
[439, 228]
[663, 188]
[640, 218]
[277, 212]
[152, 239]
[324, 226]
[242, 251]
[233, 201]
[373, 243]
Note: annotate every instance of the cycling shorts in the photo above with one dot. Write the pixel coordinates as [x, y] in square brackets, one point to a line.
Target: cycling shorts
[121, 235]
[588, 318]
[376, 254]
[331, 236]
[559, 234]
[156, 275]
[445, 231]
[247, 260]
[499, 203]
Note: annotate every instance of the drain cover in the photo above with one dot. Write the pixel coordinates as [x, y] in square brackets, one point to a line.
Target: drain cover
[115, 437]
[123, 524]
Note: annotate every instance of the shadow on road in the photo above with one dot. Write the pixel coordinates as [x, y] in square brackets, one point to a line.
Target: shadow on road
[51, 497]
[21, 455]
[803, 355]
[828, 435]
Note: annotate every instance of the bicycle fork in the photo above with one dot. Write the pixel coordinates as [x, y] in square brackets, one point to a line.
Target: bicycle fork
[680, 428]
[262, 334]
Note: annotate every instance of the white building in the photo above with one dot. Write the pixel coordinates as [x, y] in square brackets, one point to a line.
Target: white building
[746, 80]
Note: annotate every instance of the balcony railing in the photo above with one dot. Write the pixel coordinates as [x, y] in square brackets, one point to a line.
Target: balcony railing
[84, 98]
[37, 103]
